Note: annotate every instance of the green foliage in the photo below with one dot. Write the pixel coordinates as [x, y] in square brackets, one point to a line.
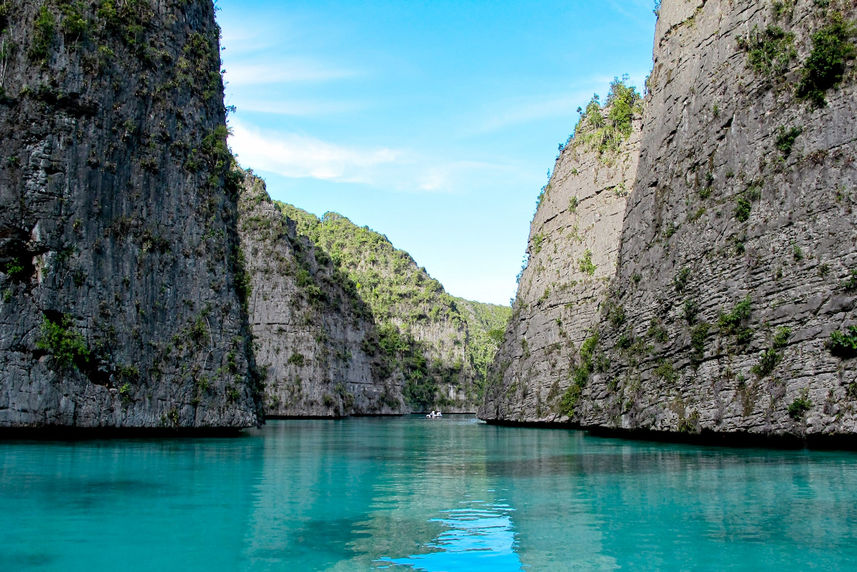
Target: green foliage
[616, 314]
[781, 338]
[832, 49]
[297, 359]
[744, 202]
[14, 269]
[626, 340]
[198, 330]
[657, 332]
[199, 63]
[697, 342]
[232, 394]
[768, 360]
[786, 139]
[74, 22]
[680, 279]
[797, 252]
[421, 390]
[537, 243]
[799, 407]
[604, 129]
[387, 286]
[587, 349]
[543, 193]
[742, 208]
[690, 311]
[579, 375]
[784, 9]
[67, 346]
[573, 204]
[771, 357]
[44, 33]
[586, 266]
[850, 284]
[753, 192]
[128, 20]
[569, 399]
[125, 393]
[666, 371]
[729, 323]
[844, 344]
[770, 51]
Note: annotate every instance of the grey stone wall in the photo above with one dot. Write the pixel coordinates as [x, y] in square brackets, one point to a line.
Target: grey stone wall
[119, 267]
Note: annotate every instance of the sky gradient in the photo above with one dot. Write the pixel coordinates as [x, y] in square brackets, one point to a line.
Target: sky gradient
[434, 123]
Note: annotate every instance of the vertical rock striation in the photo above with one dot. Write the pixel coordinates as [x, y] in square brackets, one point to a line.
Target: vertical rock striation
[120, 270]
[732, 306]
[315, 339]
[572, 253]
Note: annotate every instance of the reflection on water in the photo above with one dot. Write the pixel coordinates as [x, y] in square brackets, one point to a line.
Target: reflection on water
[480, 537]
[417, 494]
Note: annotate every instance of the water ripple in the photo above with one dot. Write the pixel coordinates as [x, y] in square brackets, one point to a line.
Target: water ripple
[480, 536]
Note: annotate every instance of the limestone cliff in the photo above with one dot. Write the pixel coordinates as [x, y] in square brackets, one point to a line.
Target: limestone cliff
[438, 343]
[572, 252]
[315, 339]
[732, 307]
[122, 289]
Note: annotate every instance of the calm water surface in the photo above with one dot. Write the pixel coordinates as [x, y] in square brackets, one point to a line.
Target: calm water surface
[412, 493]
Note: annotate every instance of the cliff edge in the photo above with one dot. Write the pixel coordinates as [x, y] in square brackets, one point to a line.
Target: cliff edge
[732, 307]
[123, 296]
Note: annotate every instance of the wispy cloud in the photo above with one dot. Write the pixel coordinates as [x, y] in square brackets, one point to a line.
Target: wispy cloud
[521, 110]
[300, 107]
[285, 70]
[527, 109]
[299, 156]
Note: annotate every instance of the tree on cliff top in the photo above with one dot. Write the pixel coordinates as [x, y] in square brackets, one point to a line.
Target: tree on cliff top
[603, 129]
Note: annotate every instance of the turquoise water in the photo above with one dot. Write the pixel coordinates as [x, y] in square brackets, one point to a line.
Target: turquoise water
[412, 493]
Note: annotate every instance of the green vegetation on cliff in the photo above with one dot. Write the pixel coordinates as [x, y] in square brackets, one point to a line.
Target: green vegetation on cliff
[832, 49]
[441, 344]
[605, 128]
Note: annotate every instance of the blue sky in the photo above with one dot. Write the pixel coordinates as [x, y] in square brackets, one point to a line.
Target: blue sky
[432, 122]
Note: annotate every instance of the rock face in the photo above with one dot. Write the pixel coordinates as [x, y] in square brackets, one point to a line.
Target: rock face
[438, 343]
[572, 253]
[730, 309]
[121, 279]
[315, 339]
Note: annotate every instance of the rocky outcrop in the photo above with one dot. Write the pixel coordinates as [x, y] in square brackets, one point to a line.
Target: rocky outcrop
[572, 253]
[315, 339]
[437, 342]
[733, 301]
[122, 289]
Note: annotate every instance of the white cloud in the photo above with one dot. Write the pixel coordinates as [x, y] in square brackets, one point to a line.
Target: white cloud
[299, 156]
[530, 108]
